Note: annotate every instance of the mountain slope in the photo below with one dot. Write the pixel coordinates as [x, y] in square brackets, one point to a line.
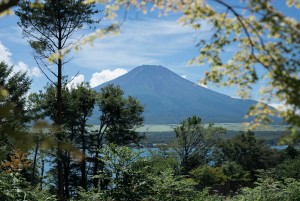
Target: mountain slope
[169, 98]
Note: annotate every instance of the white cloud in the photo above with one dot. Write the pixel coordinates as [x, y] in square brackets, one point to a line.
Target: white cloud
[75, 81]
[5, 55]
[147, 41]
[36, 72]
[21, 66]
[106, 75]
[184, 76]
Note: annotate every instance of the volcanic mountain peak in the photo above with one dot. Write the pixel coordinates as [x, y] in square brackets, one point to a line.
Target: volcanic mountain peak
[169, 98]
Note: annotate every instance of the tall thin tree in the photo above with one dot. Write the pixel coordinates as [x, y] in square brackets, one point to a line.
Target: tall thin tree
[49, 27]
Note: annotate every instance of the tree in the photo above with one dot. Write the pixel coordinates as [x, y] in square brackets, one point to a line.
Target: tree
[194, 143]
[287, 169]
[119, 118]
[164, 158]
[16, 86]
[49, 28]
[207, 176]
[251, 153]
[78, 104]
[291, 152]
[235, 172]
[14, 115]
[84, 98]
[132, 177]
[18, 163]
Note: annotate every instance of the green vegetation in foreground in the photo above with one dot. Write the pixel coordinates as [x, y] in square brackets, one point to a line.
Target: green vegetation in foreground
[201, 162]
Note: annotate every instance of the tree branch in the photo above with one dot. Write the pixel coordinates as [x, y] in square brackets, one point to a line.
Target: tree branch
[4, 5]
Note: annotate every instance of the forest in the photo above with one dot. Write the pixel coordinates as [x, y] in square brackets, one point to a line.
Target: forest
[198, 164]
[49, 152]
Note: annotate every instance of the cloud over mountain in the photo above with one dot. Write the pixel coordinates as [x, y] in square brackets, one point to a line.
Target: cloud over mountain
[106, 75]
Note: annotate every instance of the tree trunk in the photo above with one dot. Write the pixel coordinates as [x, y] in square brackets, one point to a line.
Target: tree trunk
[60, 176]
[99, 165]
[102, 130]
[42, 173]
[34, 161]
[83, 162]
[66, 175]
[95, 171]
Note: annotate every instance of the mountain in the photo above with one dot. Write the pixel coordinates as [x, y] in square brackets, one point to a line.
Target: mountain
[168, 98]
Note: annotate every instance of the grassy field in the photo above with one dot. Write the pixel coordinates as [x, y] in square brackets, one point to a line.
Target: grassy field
[228, 126]
[164, 133]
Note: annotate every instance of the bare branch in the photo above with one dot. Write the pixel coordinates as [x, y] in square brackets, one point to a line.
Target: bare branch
[44, 72]
[73, 77]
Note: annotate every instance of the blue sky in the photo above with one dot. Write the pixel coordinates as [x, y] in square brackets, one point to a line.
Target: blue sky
[144, 39]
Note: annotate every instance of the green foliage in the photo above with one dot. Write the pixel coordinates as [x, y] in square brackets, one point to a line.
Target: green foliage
[13, 99]
[291, 152]
[194, 143]
[204, 195]
[78, 103]
[119, 116]
[131, 177]
[269, 189]
[234, 171]
[14, 188]
[249, 152]
[126, 180]
[13, 112]
[288, 169]
[50, 25]
[207, 176]
[169, 187]
[164, 158]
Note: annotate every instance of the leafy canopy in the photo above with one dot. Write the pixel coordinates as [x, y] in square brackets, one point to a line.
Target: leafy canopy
[13, 111]
[195, 143]
[119, 117]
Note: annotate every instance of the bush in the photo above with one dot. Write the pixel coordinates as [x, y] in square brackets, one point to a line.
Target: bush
[207, 176]
[287, 190]
[235, 172]
[14, 188]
